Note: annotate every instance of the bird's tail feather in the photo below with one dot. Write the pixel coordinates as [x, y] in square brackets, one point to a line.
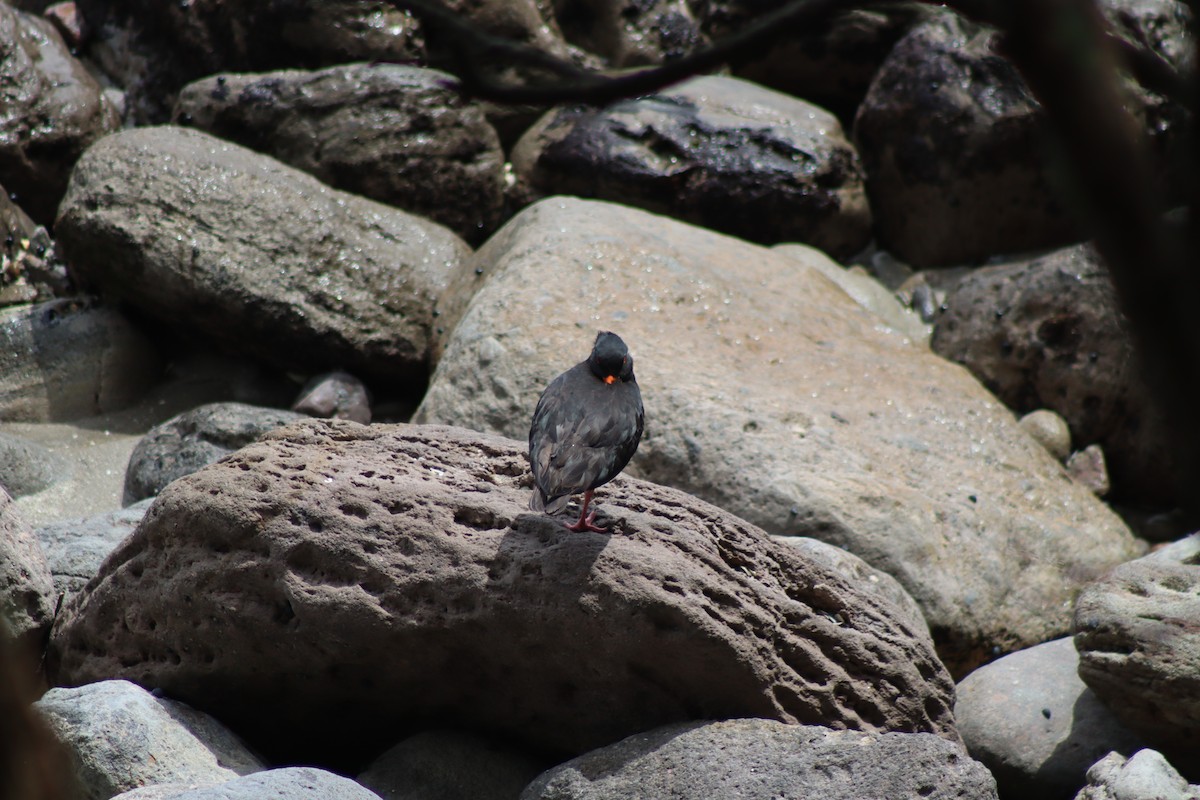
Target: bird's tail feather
[539, 502]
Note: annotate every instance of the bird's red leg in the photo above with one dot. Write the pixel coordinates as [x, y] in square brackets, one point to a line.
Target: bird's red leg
[587, 522]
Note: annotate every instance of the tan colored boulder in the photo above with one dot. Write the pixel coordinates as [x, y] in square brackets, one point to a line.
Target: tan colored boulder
[772, 394]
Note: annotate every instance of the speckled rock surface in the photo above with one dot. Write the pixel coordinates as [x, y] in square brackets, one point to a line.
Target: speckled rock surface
[221, 242]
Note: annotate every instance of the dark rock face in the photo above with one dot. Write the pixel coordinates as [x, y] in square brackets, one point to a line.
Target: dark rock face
[392, 133]
[195, 439]
[831, 65]
[154, 49]
[950, 137]
[228, 245]
[1138, 635]
[717, 152]
[762, 759]
[52, 109]
[391, 575]
[1047, 333]
[631, 34]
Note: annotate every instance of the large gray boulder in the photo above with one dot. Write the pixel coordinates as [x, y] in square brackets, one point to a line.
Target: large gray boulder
[755, 759]
[232, 246]
[392, 576]
[120, 737]
[1035, 725]
[774, 395]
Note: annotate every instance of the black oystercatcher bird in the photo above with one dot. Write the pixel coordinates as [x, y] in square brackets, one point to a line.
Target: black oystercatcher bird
[586, 427]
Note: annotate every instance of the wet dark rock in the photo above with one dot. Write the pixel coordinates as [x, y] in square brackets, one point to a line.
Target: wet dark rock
[154, 49]
[396, 134]
[951, 139]
[51, 111]
[631, 34]
[1048, 333]
[717, 152]
[830, 64]
[194, 439]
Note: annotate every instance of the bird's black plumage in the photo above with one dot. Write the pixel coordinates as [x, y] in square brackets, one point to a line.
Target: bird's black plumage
[586, 427]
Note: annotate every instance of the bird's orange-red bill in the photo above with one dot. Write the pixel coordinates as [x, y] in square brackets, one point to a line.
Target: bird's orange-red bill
[610, 378]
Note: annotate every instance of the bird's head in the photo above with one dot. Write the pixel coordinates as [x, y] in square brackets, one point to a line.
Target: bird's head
[610, 360]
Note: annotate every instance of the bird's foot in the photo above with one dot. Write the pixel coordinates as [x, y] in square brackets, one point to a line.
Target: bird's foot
[587, 523]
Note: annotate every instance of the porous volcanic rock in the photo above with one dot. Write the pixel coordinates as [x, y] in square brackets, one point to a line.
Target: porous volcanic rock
[392, 577]
[774, 395]
[231, 246]
[1138, 635]
[1048, 333]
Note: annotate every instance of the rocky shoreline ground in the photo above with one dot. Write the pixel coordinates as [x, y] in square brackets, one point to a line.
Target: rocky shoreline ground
[901, 523]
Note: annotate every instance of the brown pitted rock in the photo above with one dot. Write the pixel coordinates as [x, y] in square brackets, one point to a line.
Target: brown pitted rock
[719, 152]
[392, 577]
[951, 139]
[773, 394]
[830, 63]
[396, 134]
[71, 358]
[1138, 635]
[27, 597]
[1048, 333]
[259, 258]
[52, 109]
[631, 34]
[758, 759]
[154, 49]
